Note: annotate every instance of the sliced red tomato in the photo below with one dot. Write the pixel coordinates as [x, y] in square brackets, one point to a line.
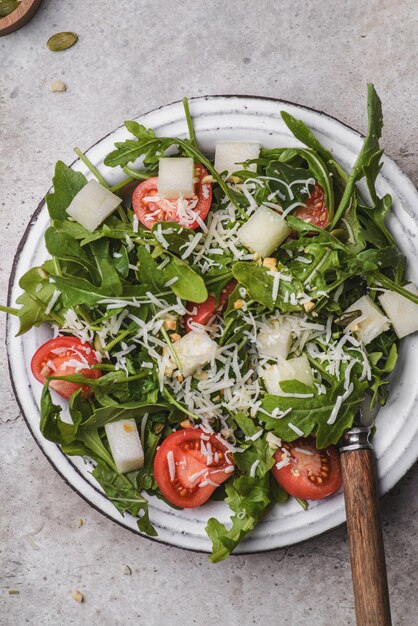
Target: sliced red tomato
[208, 308]
[189, 465]
[316, 212]
[151, 209]
[310, 473]
[62, 357]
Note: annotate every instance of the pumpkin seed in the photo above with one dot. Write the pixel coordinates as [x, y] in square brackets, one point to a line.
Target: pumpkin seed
[346, 318]
[61, 41]
[7, 7]
[341, 234]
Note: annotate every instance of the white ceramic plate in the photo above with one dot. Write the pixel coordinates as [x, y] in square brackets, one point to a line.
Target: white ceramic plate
[396, 444]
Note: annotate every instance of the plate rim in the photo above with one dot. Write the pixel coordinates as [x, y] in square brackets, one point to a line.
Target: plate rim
[12, 279]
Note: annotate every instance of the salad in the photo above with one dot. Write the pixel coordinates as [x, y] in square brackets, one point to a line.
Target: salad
[217, 324]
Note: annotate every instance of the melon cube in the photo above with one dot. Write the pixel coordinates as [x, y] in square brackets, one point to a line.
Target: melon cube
[264, 231]
[371, 321]
[293, 369]
[194, 350]
[402, 312]
[125, 445]
[175, 177]
[274, 339]
[92, 205]
[230, 155]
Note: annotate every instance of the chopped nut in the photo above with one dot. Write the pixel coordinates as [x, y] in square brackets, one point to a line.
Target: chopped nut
[126, 570]
[180, 378]
[201, 375]
[175, 337]
[238, 304]
[77, 595]
[309, 306]
[234, 179]
[57, 86]
[256, 256]
[170, 324]
[208, 179]
[271, 263]
[186, 424]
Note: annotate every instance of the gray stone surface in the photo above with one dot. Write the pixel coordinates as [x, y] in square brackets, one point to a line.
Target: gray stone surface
[131, 57]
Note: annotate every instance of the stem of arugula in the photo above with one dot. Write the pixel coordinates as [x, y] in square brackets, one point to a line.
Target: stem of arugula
[189, 122]
[117, 339]
[93, 169]
[180, 406]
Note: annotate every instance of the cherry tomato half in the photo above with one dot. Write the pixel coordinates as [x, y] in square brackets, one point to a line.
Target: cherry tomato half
[189, 465]
[311, 473]
[150, 211]
[208, 308]
[316, 212]
[61, 357]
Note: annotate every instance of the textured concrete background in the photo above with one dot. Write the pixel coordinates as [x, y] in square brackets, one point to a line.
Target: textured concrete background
[131, 57]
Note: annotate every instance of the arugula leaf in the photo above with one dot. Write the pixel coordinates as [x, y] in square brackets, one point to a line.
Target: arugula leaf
[109, 280]
[104, 415]
[67, 183]
[149, 272]
[305, 135]
[63, 246]
[368, 161]
[294, 187]
[310, 414]
[189, 285]
[249, 499]
[317, 169]
[146, 142]
[122, 492]
[51, 425]
[259, 284]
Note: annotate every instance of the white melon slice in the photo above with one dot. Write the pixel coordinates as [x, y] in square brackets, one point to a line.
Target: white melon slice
[125, 445]
[230, 155]
[92, 205]
[264, 231]
[371, 321]
[402, 312]
[293, 369]
[175, 177]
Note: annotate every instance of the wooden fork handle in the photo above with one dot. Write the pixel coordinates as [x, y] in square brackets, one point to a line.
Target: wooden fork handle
[365, 536]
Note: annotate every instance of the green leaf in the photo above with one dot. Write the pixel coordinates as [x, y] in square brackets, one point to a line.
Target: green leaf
[67, 183]
[189, 285]
[51, 425]
[259, 284]
[317, 169]
[148, 270]
[109, 280]
[368, 161]
[104, 415]
[146, 143]
[249, 499]
[294, 186]
[310, 414]
[63, 246]
[126, 498]
[305, 135]
[78, 291]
